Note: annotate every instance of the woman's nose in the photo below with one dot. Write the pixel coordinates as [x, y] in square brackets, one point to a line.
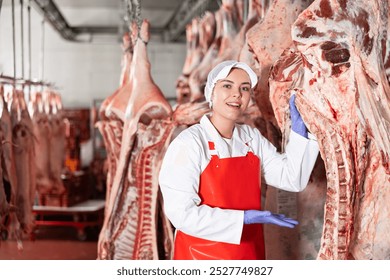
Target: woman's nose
[237, 92]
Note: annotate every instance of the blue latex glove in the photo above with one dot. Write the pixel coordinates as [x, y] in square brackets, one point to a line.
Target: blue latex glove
[266, 217]
[297, 124]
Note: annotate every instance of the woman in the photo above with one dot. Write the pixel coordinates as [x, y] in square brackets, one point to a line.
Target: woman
[210, 175]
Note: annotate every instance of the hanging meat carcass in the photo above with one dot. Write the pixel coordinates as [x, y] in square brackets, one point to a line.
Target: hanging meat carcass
[42, 132]
[23, 149]
[268, 39]
[343, 95]
[206, 37]
[193, 57]
[302, 242]
[194, 48]
[112, 116]
[256, 12]
[12, 226]
[130, 226]
[228, 41]
[4, 205]
[193, 86]
[57, 142]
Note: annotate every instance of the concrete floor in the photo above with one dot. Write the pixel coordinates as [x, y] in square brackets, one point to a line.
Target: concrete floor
[52, 243]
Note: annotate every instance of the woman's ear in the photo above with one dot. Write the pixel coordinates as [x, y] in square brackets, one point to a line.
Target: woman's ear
[211, 99]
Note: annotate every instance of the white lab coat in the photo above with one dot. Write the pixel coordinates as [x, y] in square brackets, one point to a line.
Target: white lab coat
[188, 155]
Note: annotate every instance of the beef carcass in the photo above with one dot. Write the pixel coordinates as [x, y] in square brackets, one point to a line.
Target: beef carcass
[302, 242]
[111, 125]
[268, 39]
[343, 96]
[129, 228]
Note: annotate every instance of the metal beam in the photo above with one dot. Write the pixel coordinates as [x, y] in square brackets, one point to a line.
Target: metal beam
[188, 10]
[54, 16]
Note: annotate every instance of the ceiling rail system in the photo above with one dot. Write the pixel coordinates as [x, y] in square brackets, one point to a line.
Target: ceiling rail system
[54, 16]
[173, 31]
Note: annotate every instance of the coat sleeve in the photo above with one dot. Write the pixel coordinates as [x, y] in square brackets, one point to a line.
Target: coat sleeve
[179, 182]
[289, 171]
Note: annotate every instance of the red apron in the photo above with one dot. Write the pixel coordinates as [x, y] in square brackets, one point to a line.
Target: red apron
[228, 183]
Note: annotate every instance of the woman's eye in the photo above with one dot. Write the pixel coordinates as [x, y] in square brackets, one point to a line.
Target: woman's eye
[227, 86]
[245, 89]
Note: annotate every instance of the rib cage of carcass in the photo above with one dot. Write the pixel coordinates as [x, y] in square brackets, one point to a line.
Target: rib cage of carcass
[337, 71]
[135, 226]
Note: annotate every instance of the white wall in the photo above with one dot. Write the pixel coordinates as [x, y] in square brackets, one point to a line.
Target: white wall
[81, 71]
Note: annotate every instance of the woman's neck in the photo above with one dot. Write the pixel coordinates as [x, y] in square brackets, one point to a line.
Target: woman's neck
[223, 126]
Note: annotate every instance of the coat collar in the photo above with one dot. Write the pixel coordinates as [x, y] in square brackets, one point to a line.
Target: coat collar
[240, 139]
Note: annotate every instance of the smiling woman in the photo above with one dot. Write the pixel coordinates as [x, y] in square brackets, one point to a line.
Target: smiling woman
[210, 175]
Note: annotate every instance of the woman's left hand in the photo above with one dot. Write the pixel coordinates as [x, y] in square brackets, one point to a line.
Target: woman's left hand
[297, 124]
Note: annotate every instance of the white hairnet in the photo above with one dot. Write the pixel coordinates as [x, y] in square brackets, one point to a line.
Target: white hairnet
[221, 71]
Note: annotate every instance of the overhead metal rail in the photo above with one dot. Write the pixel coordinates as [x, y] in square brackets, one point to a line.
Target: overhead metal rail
[188, 10]
[173, 31]
[53, 16]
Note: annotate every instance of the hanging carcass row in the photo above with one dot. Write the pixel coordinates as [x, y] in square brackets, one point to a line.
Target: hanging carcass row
[344, 97]
[45, 109]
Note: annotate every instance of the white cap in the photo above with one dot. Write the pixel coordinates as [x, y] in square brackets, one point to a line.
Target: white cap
[221, 71]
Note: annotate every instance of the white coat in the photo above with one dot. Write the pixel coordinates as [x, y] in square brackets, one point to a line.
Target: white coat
[188, 155]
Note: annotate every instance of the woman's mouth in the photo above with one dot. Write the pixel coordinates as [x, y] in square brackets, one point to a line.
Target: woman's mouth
[234, 104]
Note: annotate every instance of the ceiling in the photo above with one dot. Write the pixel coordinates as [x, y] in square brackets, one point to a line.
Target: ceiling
[73, 18]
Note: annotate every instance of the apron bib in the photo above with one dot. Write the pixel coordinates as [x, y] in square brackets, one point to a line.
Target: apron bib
[228, 183]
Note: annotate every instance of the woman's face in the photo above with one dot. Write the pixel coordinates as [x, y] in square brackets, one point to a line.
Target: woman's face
[231, 95]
